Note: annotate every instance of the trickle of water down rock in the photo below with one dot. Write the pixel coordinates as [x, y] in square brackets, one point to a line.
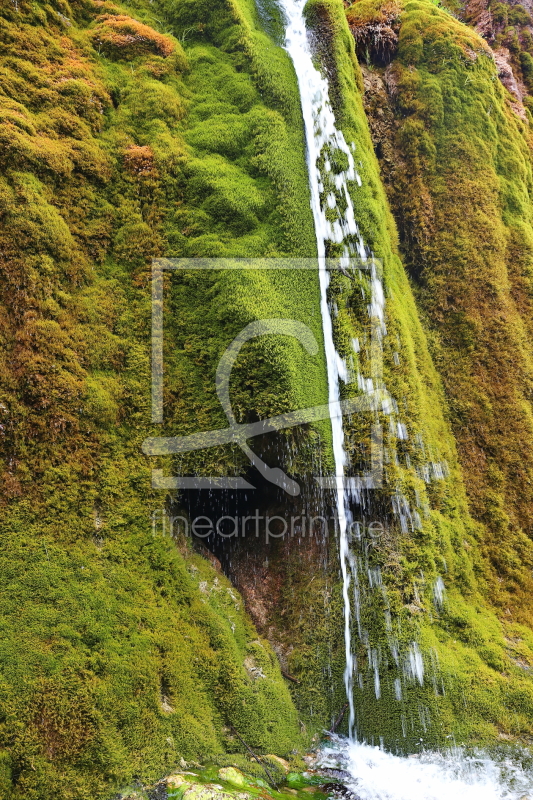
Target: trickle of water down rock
[324, 140]
[430, 776]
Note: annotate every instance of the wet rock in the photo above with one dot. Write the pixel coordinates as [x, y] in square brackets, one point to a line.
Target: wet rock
[252, 669]
[232, 775]
[479, 16]
[165, 705]
[338, 774]
[502, 57]
[212, 791]
[173, 781]
[339, 790]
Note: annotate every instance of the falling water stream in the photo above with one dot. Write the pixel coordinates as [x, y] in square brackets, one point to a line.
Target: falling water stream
[323, 137]
[377, 775]
[335, 223]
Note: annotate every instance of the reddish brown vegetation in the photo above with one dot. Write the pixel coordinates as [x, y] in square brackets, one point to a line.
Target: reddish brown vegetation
[139, 160]
[123, 37]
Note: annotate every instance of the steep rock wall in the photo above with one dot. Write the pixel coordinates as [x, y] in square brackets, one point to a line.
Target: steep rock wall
[456, 163]
[127, 136]
[122, 652]
[483, 647]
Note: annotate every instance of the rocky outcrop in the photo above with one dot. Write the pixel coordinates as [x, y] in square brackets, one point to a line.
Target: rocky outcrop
[502, 58]
[376, 37]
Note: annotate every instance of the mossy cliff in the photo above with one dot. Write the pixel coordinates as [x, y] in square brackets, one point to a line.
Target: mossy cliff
[121, 652]
[477, 644]
[131, 131]
[455, 158]
[467, 236]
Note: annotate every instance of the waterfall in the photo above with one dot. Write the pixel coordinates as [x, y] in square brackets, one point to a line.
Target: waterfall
[455, 775]
[323, 138]
[332, 172]
[373, 773]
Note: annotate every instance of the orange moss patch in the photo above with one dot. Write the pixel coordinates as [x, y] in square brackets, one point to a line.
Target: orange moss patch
[139, 161]
[124, 37]
[106, 6]
[361, 14]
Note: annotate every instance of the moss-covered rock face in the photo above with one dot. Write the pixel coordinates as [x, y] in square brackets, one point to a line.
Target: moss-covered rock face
[446, 126]
[131, 131]
[474, 686]
[125, 138]
[456, 163]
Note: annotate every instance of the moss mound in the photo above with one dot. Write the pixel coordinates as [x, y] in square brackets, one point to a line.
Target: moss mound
[123, 37]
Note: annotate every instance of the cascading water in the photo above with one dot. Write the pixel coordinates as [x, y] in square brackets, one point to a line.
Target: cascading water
[431, 776]
[322, 135]
[455, 775]
[335, 224]
[332, 174]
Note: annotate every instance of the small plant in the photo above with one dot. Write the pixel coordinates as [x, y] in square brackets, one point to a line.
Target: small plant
[198, 28]
[518, 16]
[500, 13]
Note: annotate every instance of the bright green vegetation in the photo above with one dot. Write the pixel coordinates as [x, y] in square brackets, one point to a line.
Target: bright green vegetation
[240, 776]
[120, 651]
[131, 131]
[254, 785]
[106, 642]
[456, 164]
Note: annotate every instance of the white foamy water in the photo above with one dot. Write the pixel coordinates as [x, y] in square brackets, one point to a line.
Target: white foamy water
[378, 775]
[332, 173]
[324, 140]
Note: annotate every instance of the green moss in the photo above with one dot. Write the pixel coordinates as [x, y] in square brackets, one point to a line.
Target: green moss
[131, 652]
[526, 62]
[124, 651]
[456, 163]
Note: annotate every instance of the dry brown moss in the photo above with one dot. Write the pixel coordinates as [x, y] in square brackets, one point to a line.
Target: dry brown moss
[375, 30]
[122, 37]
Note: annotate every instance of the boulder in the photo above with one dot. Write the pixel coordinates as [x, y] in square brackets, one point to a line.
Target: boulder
[212, 791]
[232, 775]
[173, 781]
